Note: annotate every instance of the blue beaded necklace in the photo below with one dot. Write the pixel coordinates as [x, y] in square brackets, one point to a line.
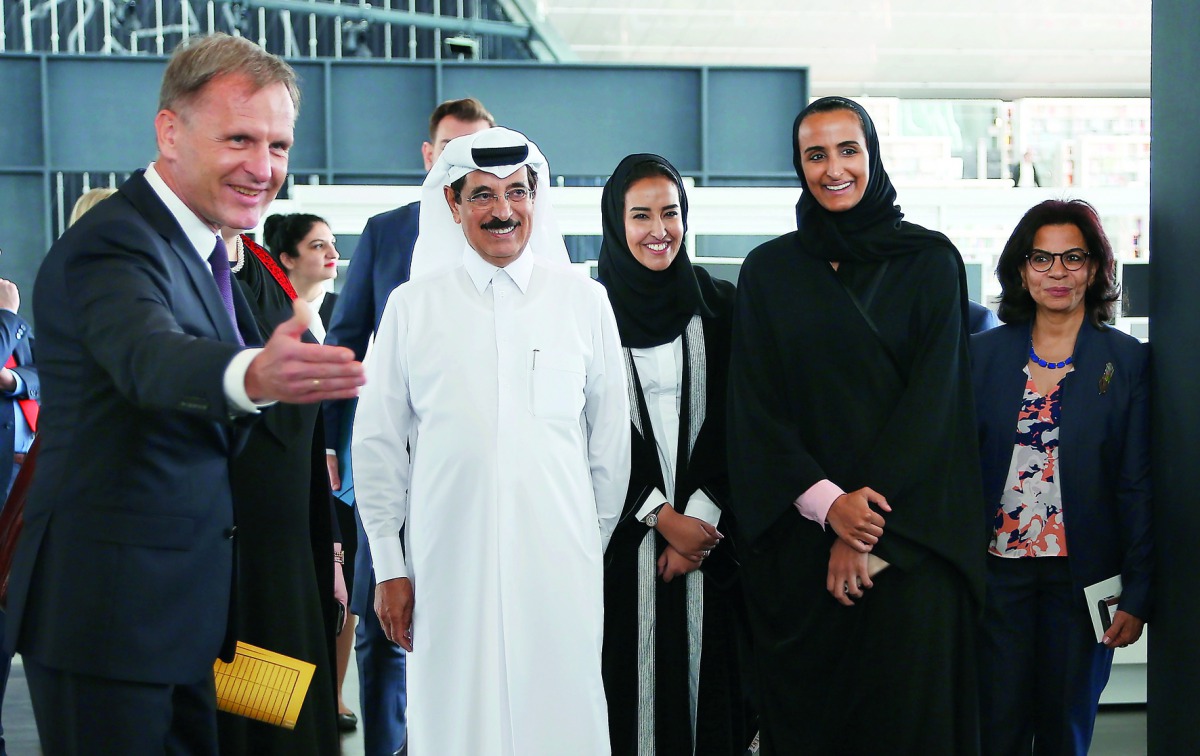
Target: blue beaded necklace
[1052, 365]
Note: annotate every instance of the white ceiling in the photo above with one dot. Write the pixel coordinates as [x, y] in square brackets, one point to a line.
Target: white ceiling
[1003, 49]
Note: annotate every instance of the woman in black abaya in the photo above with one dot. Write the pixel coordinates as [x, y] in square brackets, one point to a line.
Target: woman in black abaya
[852, 446]
[286, 535]
[671, 672]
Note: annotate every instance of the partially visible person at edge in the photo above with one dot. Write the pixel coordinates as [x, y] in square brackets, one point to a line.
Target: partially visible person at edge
[287, 572]
[852, 454]
[1063, 406]
[981, 318]
[380, 263]
[20, 390]
[88, 200]
[120, 594]
[671, 669]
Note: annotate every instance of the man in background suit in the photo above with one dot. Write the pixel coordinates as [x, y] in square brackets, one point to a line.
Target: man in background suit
[19, 385]
[381, 263]
[121, 585]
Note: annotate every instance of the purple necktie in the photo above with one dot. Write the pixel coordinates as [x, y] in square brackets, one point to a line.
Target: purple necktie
[219, 262]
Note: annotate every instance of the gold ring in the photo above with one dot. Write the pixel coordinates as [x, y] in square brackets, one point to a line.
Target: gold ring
[316, 384]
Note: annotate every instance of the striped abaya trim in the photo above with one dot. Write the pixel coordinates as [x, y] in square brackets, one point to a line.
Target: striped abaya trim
[647, 571]
[695, 637]
[693, 345]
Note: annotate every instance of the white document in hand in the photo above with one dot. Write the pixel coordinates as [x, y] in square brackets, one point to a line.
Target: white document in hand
[1102, 599]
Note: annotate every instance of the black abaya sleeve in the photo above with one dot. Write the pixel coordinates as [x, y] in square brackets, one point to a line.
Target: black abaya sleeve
[769, 466]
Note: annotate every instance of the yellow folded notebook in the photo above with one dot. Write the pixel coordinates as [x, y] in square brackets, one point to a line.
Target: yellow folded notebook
[263, 685]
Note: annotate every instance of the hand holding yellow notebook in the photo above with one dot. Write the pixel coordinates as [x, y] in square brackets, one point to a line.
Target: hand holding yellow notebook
[263, 685]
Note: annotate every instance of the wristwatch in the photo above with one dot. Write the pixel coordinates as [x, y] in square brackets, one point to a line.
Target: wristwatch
[651, 520]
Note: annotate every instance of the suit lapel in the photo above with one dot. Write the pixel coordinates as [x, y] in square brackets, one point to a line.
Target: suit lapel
[1082, 401]
[199, 275]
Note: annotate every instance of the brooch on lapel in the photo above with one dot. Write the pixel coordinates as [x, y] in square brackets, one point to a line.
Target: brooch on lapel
[1106, 377]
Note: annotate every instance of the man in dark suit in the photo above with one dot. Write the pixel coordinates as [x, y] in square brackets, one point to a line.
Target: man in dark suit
[121, 585]
[381, 263]
[19, 385]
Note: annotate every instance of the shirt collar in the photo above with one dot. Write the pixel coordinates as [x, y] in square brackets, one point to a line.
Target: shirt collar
[199, 233]
[482, 271]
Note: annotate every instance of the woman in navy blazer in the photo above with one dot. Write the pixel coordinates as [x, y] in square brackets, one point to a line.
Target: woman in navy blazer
[1063, 413]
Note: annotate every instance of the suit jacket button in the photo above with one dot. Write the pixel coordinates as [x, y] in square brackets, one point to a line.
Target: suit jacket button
[231, 532]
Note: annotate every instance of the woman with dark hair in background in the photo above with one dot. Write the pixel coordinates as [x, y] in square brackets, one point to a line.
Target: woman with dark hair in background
[304, 246]
[1062, 402]
[671, 671]
[850, 399]
[286, 536]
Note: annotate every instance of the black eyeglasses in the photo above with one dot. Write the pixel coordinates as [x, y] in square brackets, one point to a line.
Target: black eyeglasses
[1042, 262]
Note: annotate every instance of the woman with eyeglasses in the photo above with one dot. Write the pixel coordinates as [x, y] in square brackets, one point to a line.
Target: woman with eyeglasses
[1063, 412]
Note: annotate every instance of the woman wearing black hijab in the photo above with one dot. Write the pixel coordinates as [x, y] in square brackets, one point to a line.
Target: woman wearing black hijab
[670, 664]
[852, 458]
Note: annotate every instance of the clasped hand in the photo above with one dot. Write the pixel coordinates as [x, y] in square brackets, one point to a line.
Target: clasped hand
[692, 537]
[852, 518]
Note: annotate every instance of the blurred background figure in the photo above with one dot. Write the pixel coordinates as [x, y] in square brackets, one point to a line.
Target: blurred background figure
[88, 200]
[20, 391]
[1025, 173]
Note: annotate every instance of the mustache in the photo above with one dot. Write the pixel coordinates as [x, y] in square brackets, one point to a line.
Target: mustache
[495, 224]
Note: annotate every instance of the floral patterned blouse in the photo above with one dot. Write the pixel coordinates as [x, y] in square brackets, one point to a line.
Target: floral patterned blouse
[1029, 520]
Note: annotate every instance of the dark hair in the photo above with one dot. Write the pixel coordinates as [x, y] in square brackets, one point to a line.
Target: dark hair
[1016, 304]
[467, 110]
[282, 234]
[648, 169]
[457, 186]
[829, 105]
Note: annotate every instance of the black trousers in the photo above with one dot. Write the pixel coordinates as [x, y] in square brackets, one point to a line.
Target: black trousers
[81, 714]
[1041, 669]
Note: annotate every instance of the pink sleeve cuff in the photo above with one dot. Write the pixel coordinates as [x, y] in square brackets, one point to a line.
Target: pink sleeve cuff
[816, 501]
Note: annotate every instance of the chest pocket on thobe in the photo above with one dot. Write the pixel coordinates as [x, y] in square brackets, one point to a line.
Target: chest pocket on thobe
[557, 384]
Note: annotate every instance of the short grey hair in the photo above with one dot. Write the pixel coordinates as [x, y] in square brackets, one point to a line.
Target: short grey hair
[201, 59]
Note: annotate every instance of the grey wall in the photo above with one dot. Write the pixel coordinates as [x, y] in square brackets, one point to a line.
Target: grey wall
[363, 122]
[1173, 704]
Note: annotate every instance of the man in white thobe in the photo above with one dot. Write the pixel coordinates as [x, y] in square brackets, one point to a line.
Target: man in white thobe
[495, 429]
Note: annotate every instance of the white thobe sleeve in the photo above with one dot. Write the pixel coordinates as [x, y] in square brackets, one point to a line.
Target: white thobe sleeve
[606, 410]
[379, 444]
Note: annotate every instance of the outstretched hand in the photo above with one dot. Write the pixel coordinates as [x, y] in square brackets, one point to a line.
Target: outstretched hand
[289, 370]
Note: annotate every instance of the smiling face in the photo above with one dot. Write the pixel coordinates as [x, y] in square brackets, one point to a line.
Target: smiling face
[224, 153]
[653, 221]
[498, 230]
[315, 257]
[834, 155]
[1058, 289]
